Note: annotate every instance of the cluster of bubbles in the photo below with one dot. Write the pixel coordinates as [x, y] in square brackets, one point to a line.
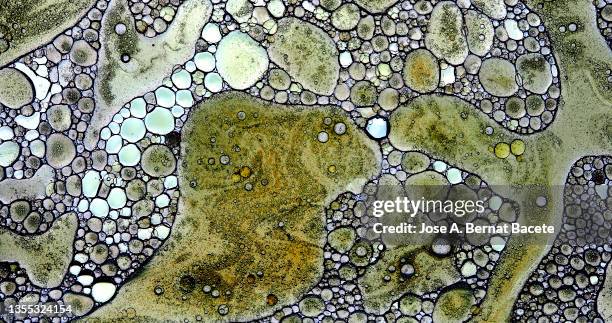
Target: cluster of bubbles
[566, 283]
[500, 59]
[360, 57]
[50, 173]
[44, 115]
[352, 248]
[152, 18]
[604, 19]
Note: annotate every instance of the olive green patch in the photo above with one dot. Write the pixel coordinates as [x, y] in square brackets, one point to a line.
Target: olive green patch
[26, 24]
[56, 245]
[254, 183]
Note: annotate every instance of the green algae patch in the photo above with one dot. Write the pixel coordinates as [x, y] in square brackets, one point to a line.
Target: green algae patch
[363, 93]
[375, 6]
[250, 233]
[415, 162]
[479, 33]
[421, 71]
[26, 24]
[342, 239]
[454, 130]
[307, 53]
[15, 88]
[454, 305]
[498, 77]
[55, 246]
[535, 71]
[158, 160]
[445, 37]
[448, 127]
